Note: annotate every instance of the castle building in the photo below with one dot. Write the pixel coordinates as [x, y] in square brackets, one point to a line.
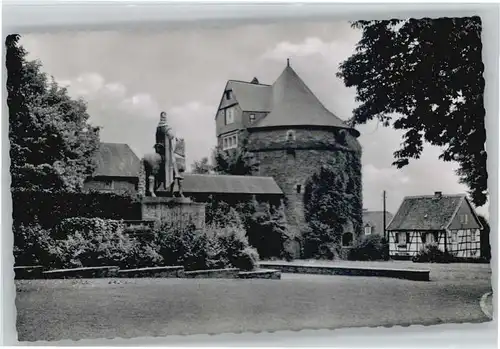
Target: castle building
[291, 134]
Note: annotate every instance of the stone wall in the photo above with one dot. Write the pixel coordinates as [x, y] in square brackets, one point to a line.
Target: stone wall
[180, 211]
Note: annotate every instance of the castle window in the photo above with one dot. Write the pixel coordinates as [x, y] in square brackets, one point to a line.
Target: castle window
[229, 116]
[298, 188]
[228, 94]
[290, 135]
[290, 156]
[368, 229]
[252, 118]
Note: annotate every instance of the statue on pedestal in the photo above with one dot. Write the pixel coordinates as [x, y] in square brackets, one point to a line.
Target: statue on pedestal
[163, 168]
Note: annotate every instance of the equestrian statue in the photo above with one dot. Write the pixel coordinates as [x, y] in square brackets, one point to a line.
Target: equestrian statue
[163, 168]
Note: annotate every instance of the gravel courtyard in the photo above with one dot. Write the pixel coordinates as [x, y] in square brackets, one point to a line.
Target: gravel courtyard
[105, 308]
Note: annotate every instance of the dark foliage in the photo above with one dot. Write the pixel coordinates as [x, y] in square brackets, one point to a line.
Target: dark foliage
[52, 146]
[329, 207]
[33, 245]
[370, 248]
[485, 239]
[431, 253]
[202, 166]
[49, 207]
[425, 76]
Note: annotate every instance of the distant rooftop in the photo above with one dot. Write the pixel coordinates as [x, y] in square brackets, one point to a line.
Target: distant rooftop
[116, 160]
[226, 184]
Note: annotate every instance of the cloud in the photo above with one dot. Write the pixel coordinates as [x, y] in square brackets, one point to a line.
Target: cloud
[194, 122]
[309, 47]
[373, 175]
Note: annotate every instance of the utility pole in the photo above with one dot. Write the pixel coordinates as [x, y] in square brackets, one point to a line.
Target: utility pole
[385, 225]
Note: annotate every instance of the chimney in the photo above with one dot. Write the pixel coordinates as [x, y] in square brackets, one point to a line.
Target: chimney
[438, 194]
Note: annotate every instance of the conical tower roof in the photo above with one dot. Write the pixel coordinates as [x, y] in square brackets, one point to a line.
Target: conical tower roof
[294, 104]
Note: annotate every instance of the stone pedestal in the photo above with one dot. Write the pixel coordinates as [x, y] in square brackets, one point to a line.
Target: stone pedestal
[179, 211]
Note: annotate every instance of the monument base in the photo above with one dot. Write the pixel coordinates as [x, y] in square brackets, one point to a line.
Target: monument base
[178, 211]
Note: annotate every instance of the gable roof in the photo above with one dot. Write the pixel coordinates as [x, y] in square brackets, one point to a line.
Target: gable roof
[116, 160]
[427, 212]
[226, 184]
[376, 219]
[251, 96]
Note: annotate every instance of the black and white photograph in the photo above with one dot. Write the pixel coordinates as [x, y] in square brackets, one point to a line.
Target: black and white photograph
[252, 177]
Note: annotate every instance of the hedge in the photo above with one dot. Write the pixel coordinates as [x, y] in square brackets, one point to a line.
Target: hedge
[50, 208]
[94, 242]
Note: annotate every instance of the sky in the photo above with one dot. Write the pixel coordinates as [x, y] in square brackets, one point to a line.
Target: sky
[129, 77]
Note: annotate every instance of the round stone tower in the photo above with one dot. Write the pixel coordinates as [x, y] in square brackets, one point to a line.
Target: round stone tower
[296, 138]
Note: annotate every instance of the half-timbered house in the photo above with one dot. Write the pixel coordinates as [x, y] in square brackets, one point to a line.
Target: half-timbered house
[450, 221]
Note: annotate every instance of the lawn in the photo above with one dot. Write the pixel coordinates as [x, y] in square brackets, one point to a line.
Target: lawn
[105, 308]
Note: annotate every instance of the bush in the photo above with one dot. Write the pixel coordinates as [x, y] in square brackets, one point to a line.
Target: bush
[370, 248]
[431, 253]
[267, 231]
[247, 259]
[182, 246]
[93, 242]
[33, 245]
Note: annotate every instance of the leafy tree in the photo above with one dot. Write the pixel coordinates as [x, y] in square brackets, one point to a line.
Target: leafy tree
[485, 238]
[239, 161]
[201, 167]
[425, 76]
[52, 146]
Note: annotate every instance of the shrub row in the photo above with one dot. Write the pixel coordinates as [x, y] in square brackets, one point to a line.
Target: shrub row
[50, 208]
[264, 223]
[431, 253]
[93, 242]
[370, 248]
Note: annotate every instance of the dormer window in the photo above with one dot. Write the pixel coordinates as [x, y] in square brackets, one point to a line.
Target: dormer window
[290, 135]
[229, 116]
[229, 94]
[252, 118]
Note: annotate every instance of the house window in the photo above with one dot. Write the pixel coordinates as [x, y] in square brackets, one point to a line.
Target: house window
[298, 187]
[290, 135]
[347, 239]
[368, 229]
[478, 236]
[463, 218]
[230, 142]
[252, 118]
[108, 185]
[402, 238]
[228, 94]
[229, 116]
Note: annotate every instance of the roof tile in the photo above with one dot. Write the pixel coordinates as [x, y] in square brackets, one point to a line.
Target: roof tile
[425, 212]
